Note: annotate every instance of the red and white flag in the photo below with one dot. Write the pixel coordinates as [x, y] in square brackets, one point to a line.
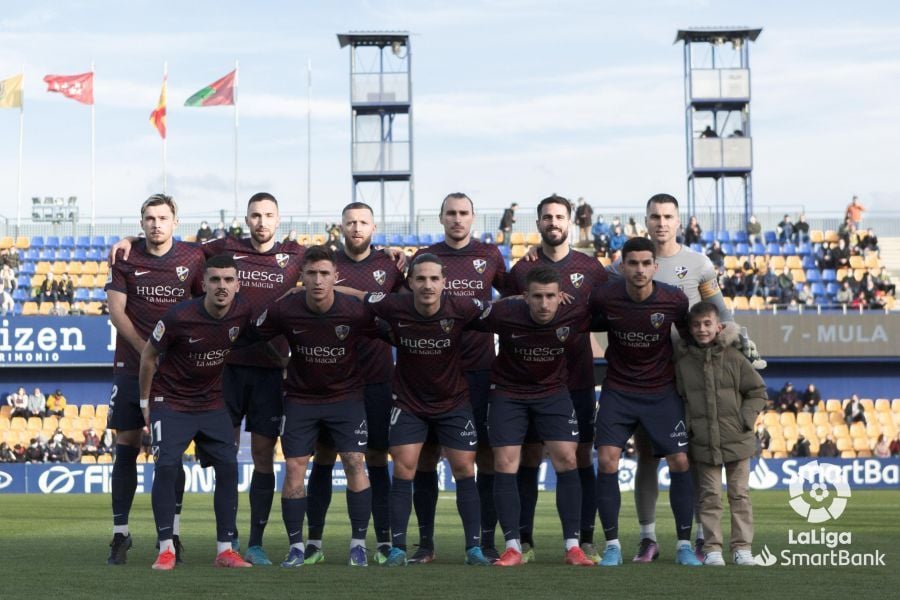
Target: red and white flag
[77, 87]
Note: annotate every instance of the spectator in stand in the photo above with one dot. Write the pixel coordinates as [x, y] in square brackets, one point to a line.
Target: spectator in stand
[804, 295]
[37, 403]
[8, 278]
[600, 232]
[855, 412]
[895, 446]
[19, 453]
[58, 435]
[860, 301]
[584, 216]
[66, 288]
[10, 257]
[506, 223]
[219, 232]
[6, 453]
[882, 448]
[771, 289]
[58, 310]
[693, 232]
[825, 257]
[634, 229]
[785, 229]
[49, 290]
[56, 452]
[91, 445]
[786, 401]
[786, 284]
[7, 304]
[204, 233]
[811, 398]
[108, 442]
[56, 404]
[236, 230]
[709, 132]
[844, 296]
[715, 254]
[763, 438]
[616, 241]
[828, 449]
[801, 449]
[754, 230]
[846, 228]
[868, 242]
[855, 211]
[801, 230]
[877, 298]
[884, 282]
[34, 453]
[842, 254]
[73, 451]
[18, 402]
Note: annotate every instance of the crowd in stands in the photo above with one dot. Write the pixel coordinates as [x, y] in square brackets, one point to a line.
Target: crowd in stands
[802, 424]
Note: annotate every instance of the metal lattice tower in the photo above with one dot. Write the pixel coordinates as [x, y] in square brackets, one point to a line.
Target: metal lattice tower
[381, 119]
[717, 119]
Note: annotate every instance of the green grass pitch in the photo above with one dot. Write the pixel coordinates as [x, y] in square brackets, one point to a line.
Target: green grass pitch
[57, 545]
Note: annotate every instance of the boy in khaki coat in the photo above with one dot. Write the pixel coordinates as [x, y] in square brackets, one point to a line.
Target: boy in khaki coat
[723, 395]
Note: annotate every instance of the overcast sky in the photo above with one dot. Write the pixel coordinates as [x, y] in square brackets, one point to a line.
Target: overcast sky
[513, 100]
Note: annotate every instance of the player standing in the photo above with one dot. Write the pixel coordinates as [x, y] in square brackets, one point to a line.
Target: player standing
[159, 273]
[640, 389]
[191, 343]
[579, 273]
[473, 270]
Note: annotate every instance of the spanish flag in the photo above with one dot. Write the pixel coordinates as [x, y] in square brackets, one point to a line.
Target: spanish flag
[11, 92]
[158, 116]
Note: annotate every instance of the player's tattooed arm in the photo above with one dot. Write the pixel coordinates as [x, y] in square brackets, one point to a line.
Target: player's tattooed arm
[145, 377]
[123, 325]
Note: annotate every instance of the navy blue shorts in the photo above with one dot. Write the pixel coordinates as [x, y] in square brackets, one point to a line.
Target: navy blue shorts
[454, 429]
[553, 419]
[254, 392]
[479, 396]
[661, 414]
[124, 405]
[585, 403]
[342, 423]
[172, 431]
[378, 412]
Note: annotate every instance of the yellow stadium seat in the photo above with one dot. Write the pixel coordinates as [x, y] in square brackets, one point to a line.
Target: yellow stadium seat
[141, 459]
[42, 267]
[740, 303]
[771, 418]
[23, 242]
[844, 444]
[860, 444]
[93, 308]
[18, 423]
[833, 404]
[777, 445]
[99, 281]
[7, 242]
[103, 267]
[52, 422]
[864, 454]
[857, 262]
[788, 418]
[848, 454]
[34, 424]
[88, 460]
[102, 410]
[857, 430]
[776, 262]
[70, 411]
[76, 423]
[75, 434]
[793, 262]
[766, 454]
[532, 238]
[59, 267]
[799, 275]
[883, 405]
[5, 411]
[87, 410]
[873, 429]
[816, 236]
[517, 237]
[757, 303]
[840, 431]
[86, 281]
[820, 418]
[804, 419]
[868, 404]
[729, 303]
[90, 268]
[731, 262]
[873, 262]
[105, 459]
[4, 424]
[822, 431]
[74, 267]
[789, 432]
[318, 239]
[29, 309]
[831, 236]
[517, 251]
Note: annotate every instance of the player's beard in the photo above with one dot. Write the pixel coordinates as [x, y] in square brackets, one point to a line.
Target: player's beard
[262, 240]
[357, 248]
[551, 242]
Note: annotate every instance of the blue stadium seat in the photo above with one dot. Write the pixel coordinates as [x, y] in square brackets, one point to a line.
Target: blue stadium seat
[395, 240]
[32, 254]
[817, 289]
[83, 241]
[739, 237]
[769, 237]
[504, 251]
[758, 249]
[21, 293]
[47, 254]
[742, 249]
[112, 240]
[697, 248]
[773, 249]
[829, 275]
[27, 269]
[821, 300]
[813, 276]
[438, 238]
[809, 262]
[727, 248]
[832, 288]
[707, 237]
[67, 241]
[98, 294]
[425, 239]
[64, 254]
[723, 237]
[411, 240]
[177, 238]
[79, 254]
[379, 239]
[98, 241]
[52, 242]
[96, 254]
[37, 242]
[789, 249]
[82, 294]
[804, 249]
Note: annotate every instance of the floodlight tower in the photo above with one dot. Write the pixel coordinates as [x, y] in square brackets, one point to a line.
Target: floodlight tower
[381, 117]
[717, 119]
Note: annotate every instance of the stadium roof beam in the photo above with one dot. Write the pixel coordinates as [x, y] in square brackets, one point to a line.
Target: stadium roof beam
[718, 141]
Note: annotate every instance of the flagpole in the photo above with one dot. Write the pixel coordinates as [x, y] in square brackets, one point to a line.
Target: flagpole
[165, 137]
[21, 141]
[93, 159]
[235, 138]
[309, 140]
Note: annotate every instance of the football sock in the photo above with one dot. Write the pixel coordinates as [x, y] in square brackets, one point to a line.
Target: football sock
[528, 496]
[381, 499]
[425, 495]
[262, 490]
[359, 505]
[648, 531]
[609, 500]
[124, 482]
[318, 492]
[485, 482]
[162, 497]
[681, 499]
[568, 502]
[293, 510]
[469, 508]
[165, 545]
[506, 499]
[588, 478]
[646, 491]
[225, 501]
[401, 500]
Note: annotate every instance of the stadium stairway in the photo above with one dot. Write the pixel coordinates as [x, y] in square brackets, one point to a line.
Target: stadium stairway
[890, 254]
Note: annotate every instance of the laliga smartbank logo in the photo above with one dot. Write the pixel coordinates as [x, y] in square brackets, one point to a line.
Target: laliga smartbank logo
[819, 493]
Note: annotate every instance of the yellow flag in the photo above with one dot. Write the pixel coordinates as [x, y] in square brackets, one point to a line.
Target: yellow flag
[11, 92]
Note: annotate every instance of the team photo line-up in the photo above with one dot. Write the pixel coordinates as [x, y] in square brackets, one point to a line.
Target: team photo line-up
[298, 344]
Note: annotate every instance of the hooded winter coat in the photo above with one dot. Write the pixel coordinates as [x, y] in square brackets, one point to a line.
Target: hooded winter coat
[723, 395]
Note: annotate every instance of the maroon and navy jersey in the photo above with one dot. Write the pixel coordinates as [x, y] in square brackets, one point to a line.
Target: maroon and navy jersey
[193, 346]
[375, 273]
[471, 272]
[532, 359]
[325, 364]
[428, 379]
[264, 277]
[640, 335]
[580, 274]
[152, 285]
